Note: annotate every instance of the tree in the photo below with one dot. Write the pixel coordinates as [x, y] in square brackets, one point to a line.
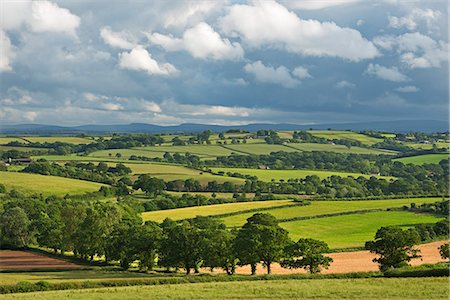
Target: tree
[444, 250]
[307, 254]
[152, 186]
[261, 239]
[118, 155]
[146, 245]
[15, 228]
[395, 246]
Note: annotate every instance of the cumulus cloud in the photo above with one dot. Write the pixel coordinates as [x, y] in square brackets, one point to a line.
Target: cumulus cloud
[416, 50]
[49, 17]
[111, 106]
[139, 59]
[268, 23]
[122, 40]
[344, 84]
[407, 89]
[391, 74]
[201, 41]
[7, 54]
[188, 12]
[429, 16]
[281, 75]
[316, 4]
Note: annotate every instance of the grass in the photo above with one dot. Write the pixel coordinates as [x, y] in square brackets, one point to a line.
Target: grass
[423, 159]
[46, 185]
[360, 288]
[346, 135]
[339, 149]
[350, 231]
[52, 139]
[268, 175]
[208, 210]
[6, 148]
[328, 207]
[428, 146]
[200, 150]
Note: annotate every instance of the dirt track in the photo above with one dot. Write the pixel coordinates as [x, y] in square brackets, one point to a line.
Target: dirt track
[21, 260]
[358, 261]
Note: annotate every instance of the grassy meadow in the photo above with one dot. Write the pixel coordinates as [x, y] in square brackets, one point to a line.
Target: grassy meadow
[209, 210]
[277, 175]
[360, 288]
[423, 159]
[46, 185]
[350, 231]
[53, 139]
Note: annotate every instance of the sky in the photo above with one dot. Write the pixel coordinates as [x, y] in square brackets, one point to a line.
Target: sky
[223, 62]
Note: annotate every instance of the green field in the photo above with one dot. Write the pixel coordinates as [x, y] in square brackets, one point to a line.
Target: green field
[63, 139]
[362, 288]
[46, 185]
[352, 230]
[268, 175]
[346, 135]
[338, 149]
[259, 148]
[204, 151]
[328, 207]
[423, 159]
[209, 210]
[428, 146]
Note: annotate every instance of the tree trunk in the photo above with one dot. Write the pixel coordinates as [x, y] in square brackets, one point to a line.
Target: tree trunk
[268, 268]
[188, 270]
[253, 266]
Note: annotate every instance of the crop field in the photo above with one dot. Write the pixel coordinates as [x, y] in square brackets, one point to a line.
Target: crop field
[63, 139]
[209, 210]
[46, 185]
[346, 135]
[358, 288]
[352, 230]
[21, 260]
[423, 159]
[126, 153]
[328, 207]
[6, 139]
[268, 175]
[6, 148]
[339, 149]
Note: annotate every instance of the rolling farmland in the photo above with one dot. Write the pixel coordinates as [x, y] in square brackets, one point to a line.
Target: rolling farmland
[338, 149]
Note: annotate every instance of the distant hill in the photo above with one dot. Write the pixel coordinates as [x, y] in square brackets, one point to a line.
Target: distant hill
[388, 126]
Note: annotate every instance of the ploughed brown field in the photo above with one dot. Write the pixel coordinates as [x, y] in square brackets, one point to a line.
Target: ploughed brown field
[22, 260]
[356, 261]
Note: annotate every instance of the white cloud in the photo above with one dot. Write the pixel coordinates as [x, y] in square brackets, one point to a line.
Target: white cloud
[189, 12]
[416, 50]
[359, 22]
[201, 41]
[151, 106]
[14, 14]
[316, 4]
[407, 89]
[301, 72]
[267, 23]
[6, 51]
[122, 40]
[391, 74]
[344, 84]
[111, 106]
[268, 74]
[49, 17]
[410, 21]
[139, 59]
